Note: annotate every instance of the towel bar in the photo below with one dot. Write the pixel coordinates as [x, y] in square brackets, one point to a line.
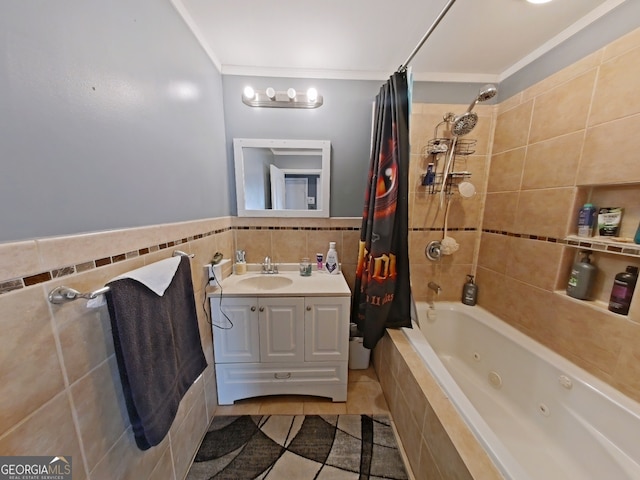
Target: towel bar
[64, 294]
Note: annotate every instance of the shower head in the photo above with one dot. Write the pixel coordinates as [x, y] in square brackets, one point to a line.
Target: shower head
[463, 124]
[486, 92]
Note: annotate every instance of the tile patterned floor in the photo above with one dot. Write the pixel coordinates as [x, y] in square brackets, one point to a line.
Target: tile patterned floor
[364, 396]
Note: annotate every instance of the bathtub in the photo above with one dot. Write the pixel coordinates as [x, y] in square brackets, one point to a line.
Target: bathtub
[537, 415]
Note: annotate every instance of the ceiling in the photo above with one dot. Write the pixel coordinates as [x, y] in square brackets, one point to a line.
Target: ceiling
[476, 41]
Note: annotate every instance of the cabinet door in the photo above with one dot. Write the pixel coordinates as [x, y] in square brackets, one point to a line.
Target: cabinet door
[281, 329]
[237, 339]
[326, 329]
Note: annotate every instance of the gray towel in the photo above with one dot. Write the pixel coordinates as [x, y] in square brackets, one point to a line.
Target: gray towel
[158, 349]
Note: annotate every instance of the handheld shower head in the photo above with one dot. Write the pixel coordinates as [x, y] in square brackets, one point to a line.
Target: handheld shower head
[486, 92]
[463, 124]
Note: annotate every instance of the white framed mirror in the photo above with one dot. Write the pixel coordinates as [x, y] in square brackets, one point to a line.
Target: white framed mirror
[282, 178]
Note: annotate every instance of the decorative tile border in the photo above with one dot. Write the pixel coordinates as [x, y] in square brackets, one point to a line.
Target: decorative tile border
[27, 281]
[527, 236]
[18, 283]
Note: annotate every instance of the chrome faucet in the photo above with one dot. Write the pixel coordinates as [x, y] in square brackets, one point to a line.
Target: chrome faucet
[268, 266]
[435, 287]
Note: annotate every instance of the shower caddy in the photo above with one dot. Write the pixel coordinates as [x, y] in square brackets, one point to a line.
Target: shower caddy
[436, 152]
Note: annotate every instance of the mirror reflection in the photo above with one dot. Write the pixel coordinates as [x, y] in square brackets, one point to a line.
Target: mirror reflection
[282, 178]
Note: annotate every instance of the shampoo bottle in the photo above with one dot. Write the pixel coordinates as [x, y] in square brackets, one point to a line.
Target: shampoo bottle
[622, 291]
[331, 263]
[586, 220]
[583, 274]
[470, 292]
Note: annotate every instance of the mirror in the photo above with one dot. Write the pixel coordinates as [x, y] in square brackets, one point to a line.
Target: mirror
[282, 178]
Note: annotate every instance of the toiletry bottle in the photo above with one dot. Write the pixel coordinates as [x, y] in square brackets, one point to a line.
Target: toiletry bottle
[636, 239]
[470, 292]
[586, 220]
[331, 262]
[583, 274]
[622, 290]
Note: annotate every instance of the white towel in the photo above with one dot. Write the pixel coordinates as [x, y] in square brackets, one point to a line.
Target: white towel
[157, 277]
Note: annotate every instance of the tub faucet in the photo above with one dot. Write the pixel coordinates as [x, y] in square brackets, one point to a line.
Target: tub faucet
[435, 287]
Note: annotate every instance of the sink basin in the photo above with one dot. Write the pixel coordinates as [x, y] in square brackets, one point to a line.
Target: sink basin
[265, 282]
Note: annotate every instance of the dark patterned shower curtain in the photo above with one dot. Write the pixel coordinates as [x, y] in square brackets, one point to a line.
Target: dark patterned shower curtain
[382, 296]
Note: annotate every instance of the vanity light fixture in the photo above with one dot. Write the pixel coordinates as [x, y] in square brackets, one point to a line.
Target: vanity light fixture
[281, 99]
[538, 1]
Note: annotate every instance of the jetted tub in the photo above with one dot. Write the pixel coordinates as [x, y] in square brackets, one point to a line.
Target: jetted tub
[537, 415]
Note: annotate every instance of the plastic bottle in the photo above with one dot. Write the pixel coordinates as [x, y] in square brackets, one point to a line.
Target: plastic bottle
[583, 274]
[622, 291]
[470, 292]
[331, 263]
[586, 220]
[636, 239]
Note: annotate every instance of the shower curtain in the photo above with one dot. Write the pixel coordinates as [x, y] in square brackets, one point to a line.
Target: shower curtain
[382, 294]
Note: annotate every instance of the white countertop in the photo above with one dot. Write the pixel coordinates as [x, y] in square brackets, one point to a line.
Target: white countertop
[319, 284]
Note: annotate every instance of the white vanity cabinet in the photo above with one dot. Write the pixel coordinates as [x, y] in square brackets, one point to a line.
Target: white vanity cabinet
[280, 345]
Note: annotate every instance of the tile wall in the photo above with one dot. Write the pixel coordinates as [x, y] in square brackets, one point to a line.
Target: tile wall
[427, 214]
[61, 392]
[569, 138]
[437, 442]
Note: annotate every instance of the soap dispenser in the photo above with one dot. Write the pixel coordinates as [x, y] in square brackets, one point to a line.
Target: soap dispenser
[583, 274]
[470, 292]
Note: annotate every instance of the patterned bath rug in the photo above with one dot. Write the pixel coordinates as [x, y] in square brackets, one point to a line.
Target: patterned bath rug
[299, 447]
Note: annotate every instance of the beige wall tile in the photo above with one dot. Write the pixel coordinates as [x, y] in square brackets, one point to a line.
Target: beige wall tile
[125, 461]
[527, 307]
[546, 213]
[492, 287]
[494, 252]
[256, 243]
[101, 410]
[572, 71]
[563, 109]
[512, 128]
[533, 262]
[19, 259]
[553, 162]
[609, 153]
[500, 211]
[30, 369]
[592, 336]
[289, 246]
[617, 94]
[505, 173]
[188, 429]
[49, 431]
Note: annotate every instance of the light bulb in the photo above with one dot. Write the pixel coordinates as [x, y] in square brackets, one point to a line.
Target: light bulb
[312, 94]
[249, 93]
[291, 93]
[271, 93]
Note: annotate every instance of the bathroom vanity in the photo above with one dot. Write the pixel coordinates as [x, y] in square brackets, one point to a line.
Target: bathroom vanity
[281, 333]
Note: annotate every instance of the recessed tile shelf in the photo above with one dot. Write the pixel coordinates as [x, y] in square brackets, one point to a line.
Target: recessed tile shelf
[602, 244]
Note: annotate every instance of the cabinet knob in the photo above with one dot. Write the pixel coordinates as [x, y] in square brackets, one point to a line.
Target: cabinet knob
[253, 309]
[308, 308]
[262, 309]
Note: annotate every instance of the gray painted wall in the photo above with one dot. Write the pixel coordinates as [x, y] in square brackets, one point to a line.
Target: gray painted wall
[98, 129]
[110, 117]
[621, 20]
[344, 119]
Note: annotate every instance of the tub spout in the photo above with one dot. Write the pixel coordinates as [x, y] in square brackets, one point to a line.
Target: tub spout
[435, 287]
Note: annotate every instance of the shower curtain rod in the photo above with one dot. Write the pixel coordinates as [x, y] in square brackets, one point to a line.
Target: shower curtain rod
[433, 26]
